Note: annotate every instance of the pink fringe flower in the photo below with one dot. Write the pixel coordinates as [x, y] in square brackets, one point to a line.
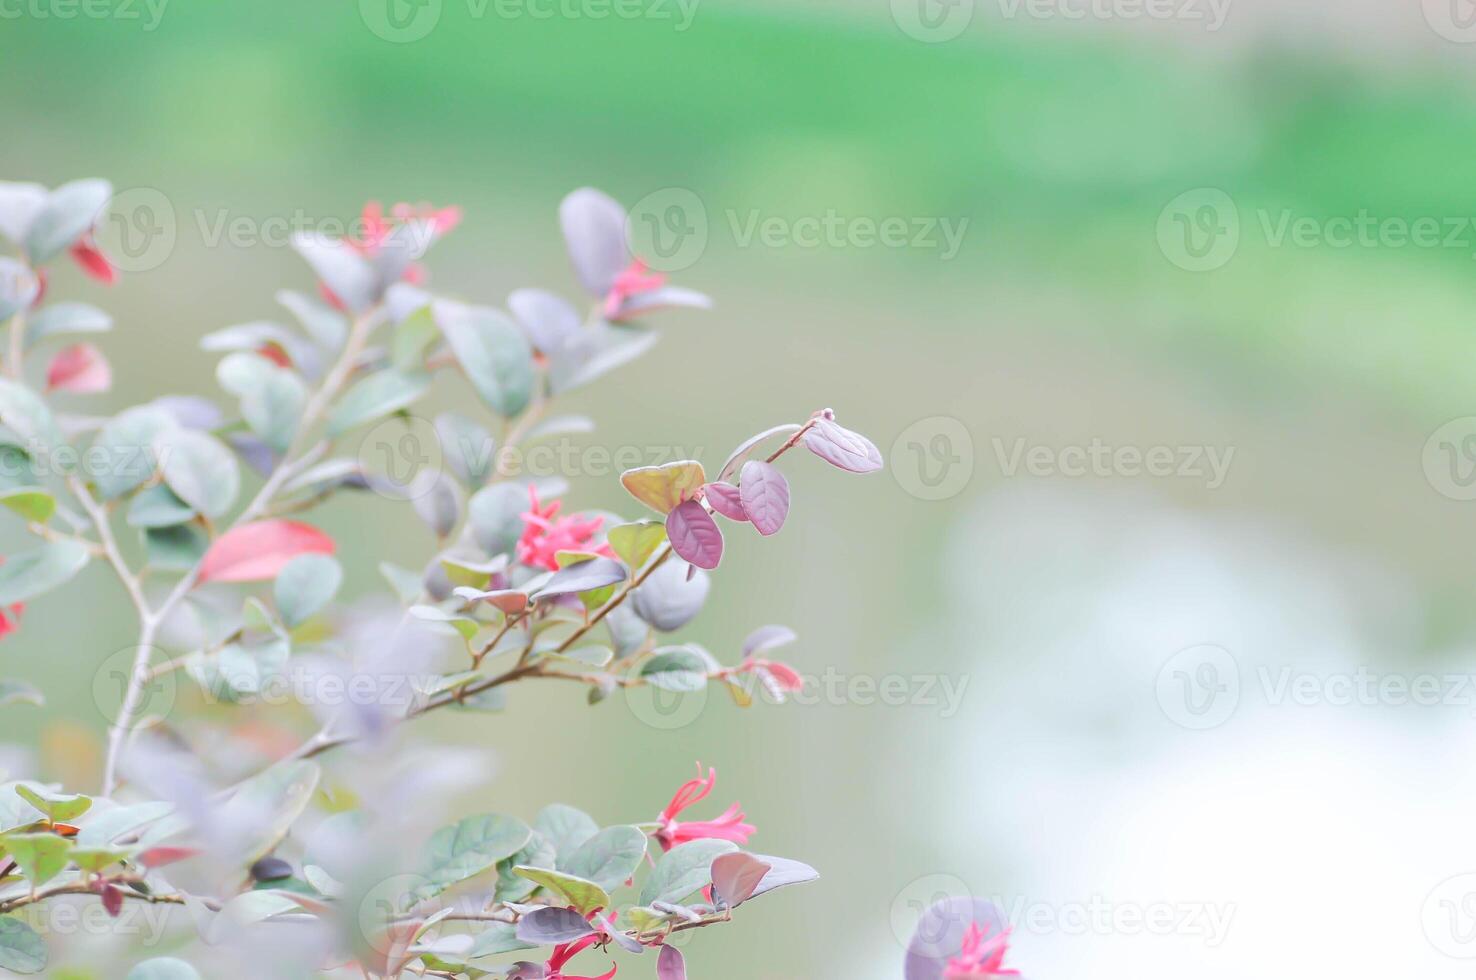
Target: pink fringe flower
[981, 957]
[729, 826]
[633, 280]
[545, 534]
[563, 954]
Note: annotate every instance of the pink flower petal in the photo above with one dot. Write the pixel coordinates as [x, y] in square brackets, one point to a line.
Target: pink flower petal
[256, 552]
[80, 368]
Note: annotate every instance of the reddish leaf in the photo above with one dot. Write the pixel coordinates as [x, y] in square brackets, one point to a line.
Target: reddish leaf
[80, 368]
[694, 535]
[726, 500]
[670, 965]
[736, 875]
[765, 495]
[158, 857]
[256, 552]
[841, 447]
[112, 899]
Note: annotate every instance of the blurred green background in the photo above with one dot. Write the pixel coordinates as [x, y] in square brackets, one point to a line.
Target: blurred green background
[1066, 316]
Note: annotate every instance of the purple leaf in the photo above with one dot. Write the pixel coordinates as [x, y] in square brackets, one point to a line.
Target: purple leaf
[940, 933]
[765, 495]
[766, 638]
[726, 500]
[670, 965]
[606, 925]
[694, 534]
[548, 320]
[586, 575]
[549, 926]
[735, 876]
[841, 447]
[594, 231]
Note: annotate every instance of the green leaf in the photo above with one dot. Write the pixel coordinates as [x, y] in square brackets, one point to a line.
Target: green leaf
[199, 469]
[468, 449]
[22, 950]
[500, 937]
[95, 859]
[636, 542]
[66, 807]
[41, 856]
[70, 211]
[31, 503]
[413, 336]
[163, 968]
[663, 487]
[176, 548]
[157, 506]
[676, 669]
[27, 416]
[469, 847]
[538, 853]
[495, 514]
[493, 352]
[566, 827]
[464, 625]
[375, 397]
[269, 803]
[323, 323]
[32, 573]
[407, 584]
[20, 692]
[125, 445]
[610, 857]
[272, 397]
[684, 870]
[584, 895]
[61, 318]
[305, 585]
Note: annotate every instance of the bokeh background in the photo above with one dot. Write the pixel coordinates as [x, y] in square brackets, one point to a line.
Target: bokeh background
[1127, 276]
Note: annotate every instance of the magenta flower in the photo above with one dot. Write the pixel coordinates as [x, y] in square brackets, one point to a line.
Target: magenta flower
[729, 826]
[634, 280]
[545, 534]
[563, 954]
[982, 956]
[376, 231]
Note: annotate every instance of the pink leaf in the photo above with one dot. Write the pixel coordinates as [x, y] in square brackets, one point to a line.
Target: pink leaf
[80, 368]
[765, 495]
[256, 552]
[726, 500]
[841, 447]
[670, 965]
[694, 534]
